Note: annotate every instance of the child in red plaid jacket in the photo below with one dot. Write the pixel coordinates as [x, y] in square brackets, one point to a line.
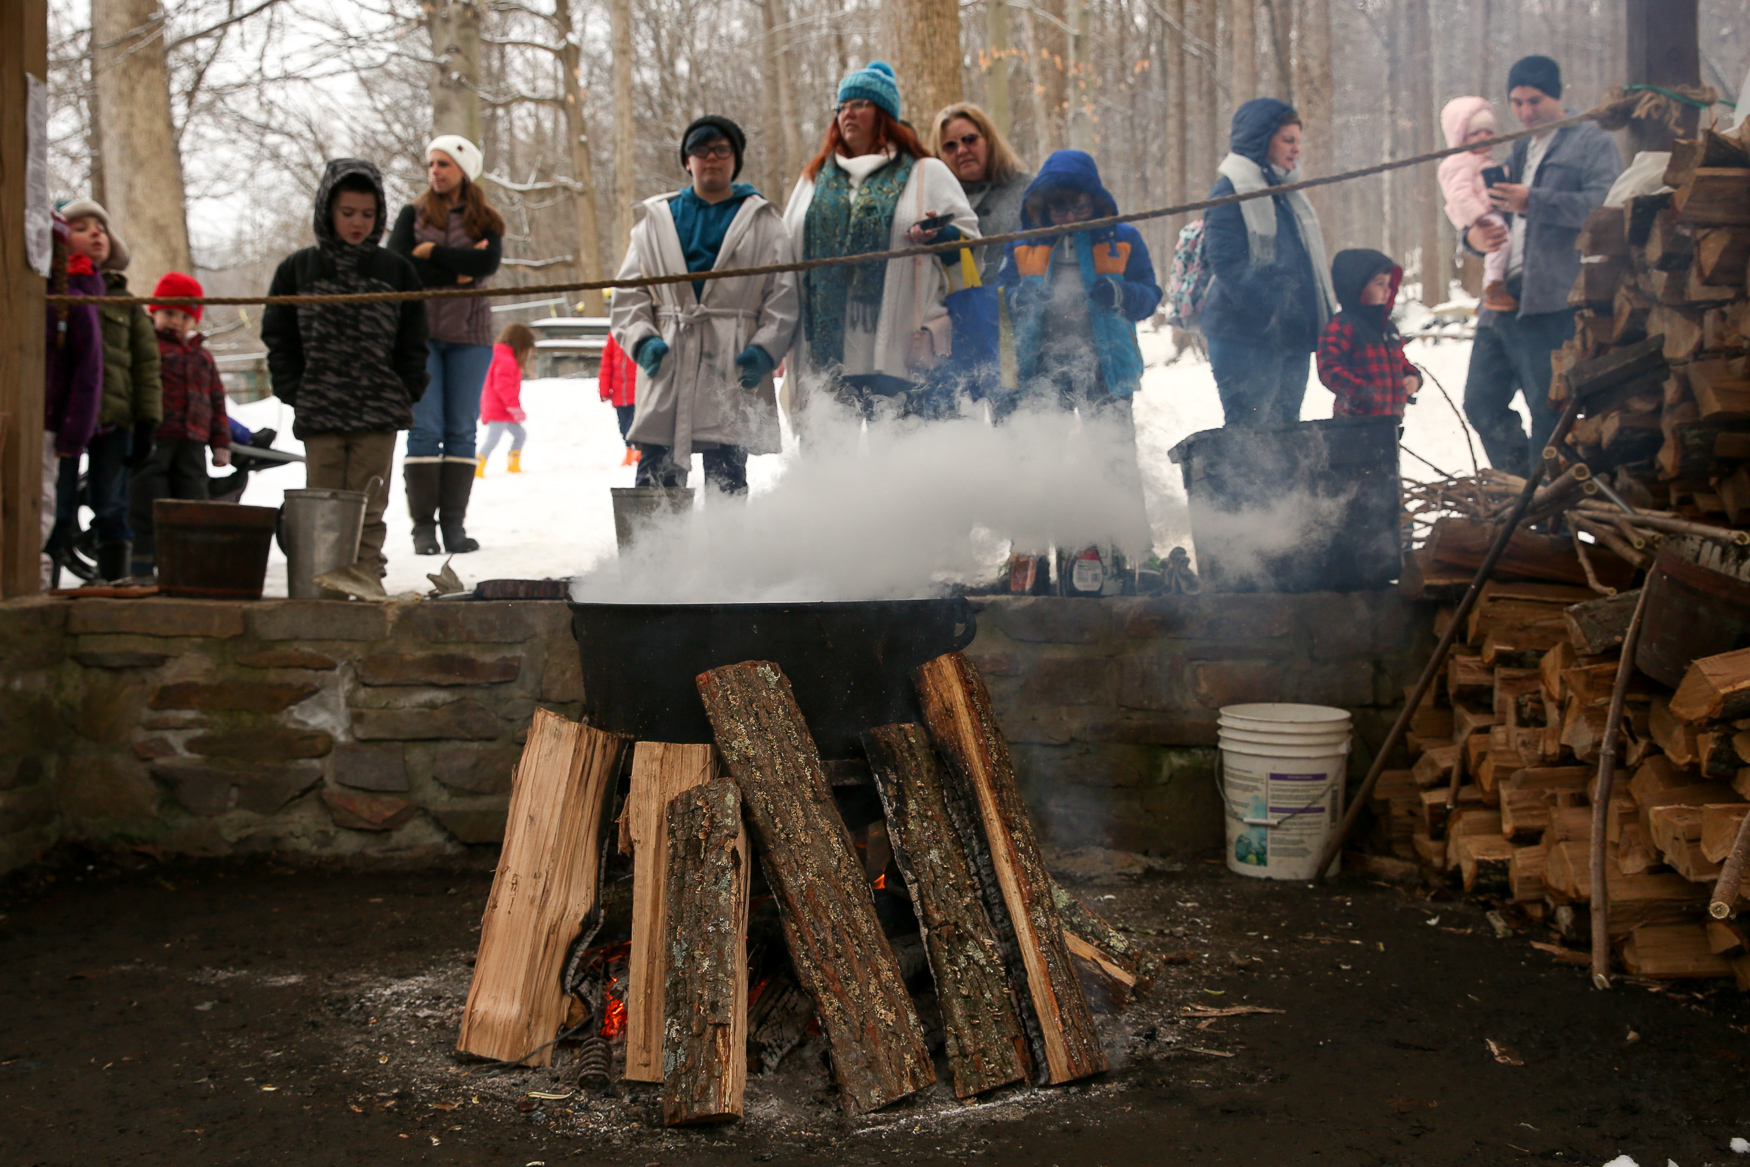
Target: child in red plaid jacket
[1361, 355]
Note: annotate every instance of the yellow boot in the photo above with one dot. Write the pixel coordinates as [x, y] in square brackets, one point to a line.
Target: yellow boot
[480, 466]
[516, 462]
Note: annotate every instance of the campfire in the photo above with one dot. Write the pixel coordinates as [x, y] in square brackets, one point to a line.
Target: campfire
[901, 894]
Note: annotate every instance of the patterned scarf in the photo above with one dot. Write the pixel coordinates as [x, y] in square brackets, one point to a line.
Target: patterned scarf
[840, 223]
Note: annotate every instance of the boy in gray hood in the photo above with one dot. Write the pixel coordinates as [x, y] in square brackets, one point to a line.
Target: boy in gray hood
[350, 372]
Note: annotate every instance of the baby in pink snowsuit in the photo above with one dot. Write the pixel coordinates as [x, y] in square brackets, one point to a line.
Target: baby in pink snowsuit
[1465, 120]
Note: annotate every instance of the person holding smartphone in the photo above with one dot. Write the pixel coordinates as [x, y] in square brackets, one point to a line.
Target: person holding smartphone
[1465, 180]
[1554, 180]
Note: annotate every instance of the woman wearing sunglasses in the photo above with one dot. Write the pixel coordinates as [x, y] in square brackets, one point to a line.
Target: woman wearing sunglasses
[964, 137]
[873, 332]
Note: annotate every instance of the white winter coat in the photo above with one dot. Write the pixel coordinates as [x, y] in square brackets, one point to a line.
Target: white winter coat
[697, 398]
[915, 287]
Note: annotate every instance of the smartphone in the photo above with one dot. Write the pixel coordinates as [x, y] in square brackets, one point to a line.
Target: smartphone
[935, 222]
[1493, 175]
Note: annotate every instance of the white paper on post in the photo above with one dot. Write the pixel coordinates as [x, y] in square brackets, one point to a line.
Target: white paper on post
[38, 226]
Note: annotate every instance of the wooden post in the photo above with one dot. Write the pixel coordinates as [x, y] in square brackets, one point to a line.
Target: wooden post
[986, 1047]
[841, 956]
[1664, 48]
[546, 884]
[24, 54]
[660, 771]
[705, 1037]
[962, 724]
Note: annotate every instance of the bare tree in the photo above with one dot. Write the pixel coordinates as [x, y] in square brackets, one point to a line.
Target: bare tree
[454, 26]
[926, 35]
[625, 123]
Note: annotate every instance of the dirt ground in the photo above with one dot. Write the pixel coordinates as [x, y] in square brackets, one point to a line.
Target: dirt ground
[263, 1013]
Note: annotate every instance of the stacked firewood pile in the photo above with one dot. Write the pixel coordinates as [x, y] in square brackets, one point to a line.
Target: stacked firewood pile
[1650, 486]
[1015, 966]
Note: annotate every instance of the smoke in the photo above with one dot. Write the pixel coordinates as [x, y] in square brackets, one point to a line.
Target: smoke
[895, 510]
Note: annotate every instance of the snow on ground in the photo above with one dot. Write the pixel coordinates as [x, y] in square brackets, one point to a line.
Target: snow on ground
[555, 519]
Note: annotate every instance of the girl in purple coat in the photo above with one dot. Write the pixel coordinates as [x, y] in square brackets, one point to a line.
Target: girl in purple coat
[72, 386]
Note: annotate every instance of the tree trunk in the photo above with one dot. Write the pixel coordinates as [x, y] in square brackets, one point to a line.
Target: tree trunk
[840, 954]
[985, 1046]
[963, 726]
[1281, 13]
[1425, 135]
[142, 168]
[926, 34]
[1245, 51]
[705, 1039]
[1079, 76]
[998, 62]
[1175, 65]
[781, 63]
[585, 226]
[455, 83]
[1053, 76]
[1312, 97]
[1039, 73]
[625, 124]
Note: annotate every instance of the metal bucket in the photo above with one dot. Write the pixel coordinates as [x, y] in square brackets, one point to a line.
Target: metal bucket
[637, 507]
[319, 531]
[212, 550]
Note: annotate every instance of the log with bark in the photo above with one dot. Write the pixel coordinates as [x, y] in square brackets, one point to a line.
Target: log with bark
[836, 943]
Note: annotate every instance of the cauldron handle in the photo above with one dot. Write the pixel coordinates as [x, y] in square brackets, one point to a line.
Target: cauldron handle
[965, 614]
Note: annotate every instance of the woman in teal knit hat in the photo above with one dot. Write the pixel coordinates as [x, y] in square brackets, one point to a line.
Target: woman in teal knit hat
[866, 191]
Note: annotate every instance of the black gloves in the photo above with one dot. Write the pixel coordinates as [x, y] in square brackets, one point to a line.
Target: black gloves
[1105, 293]
[141, 449]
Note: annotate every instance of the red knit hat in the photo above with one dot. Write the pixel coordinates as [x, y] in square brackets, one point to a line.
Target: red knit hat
[174, 283]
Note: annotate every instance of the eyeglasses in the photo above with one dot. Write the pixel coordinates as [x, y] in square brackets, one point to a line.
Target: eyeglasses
[717, 152]
[855, 105]
[1080, 206]
[963, 142]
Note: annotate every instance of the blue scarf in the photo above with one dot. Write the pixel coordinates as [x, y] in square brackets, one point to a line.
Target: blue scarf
[839, 223]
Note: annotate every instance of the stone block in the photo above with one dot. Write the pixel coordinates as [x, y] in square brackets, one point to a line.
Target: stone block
[996, 664]
[562, 671]
[321, 620]
[33, 616]
[365, 766]
[475, 769]
[481, 622]
[1343, 684]
[158, 616]
[463, 720]
[20, 770]
[23, 807]
[22, 848]
[286, 658]
[266, 743]
[1037, 725]
[120, 659]
[1049, 619]
[367, 812]
[106, 787]
[1152, 729]
[232, 696]
[110, 705]
[437, 668]
[213, 790]
[151, 748]
[29, 722]
[473, 825]
[1078, 680]
[174, 721]
[1366, 625]
[1153, 678]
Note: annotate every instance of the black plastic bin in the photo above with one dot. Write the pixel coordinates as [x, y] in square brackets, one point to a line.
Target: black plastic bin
[1312, 507]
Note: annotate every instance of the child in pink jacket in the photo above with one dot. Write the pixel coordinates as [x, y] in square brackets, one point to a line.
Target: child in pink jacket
[501, 399]
[1466, 120]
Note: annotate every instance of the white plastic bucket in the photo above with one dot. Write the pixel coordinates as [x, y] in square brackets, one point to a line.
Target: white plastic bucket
[1282, 771]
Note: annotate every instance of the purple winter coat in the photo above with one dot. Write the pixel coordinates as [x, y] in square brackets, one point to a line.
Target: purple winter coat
[73, 362]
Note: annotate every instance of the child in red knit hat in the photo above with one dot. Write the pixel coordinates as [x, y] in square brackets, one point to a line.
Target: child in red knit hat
[194, 416]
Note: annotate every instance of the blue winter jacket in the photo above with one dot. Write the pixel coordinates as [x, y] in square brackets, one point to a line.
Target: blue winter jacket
[1114, 253]
[1275, 305]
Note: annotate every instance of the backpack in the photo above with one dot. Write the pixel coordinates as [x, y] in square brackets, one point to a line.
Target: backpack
[1189, 283]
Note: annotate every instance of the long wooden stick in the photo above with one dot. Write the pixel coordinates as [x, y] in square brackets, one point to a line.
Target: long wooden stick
[1438, 661]
[1625, 668]
[1721, 903]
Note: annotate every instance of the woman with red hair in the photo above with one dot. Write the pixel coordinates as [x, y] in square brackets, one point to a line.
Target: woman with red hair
[871, 332]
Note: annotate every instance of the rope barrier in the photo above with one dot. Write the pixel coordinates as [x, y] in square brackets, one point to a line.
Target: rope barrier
[1595, 114]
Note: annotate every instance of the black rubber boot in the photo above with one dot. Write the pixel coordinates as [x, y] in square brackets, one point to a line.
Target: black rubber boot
[454, 487]
[422, 504]
[114, 560]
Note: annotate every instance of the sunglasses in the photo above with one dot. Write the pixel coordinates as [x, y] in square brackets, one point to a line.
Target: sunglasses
[963, 142]
[718, 152]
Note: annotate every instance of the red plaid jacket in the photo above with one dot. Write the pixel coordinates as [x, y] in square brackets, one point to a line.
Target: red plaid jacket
[194, 397]
[1367, 376]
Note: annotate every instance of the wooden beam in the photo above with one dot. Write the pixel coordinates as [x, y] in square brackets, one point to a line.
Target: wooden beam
[1664, 48]
[544, 888]
[660, 771]
[839, 951]
[24, 54]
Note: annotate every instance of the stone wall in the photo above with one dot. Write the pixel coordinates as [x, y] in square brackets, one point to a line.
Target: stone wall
[336, 728]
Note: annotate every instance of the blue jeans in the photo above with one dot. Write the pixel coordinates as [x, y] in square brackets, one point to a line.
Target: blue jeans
[445, 419]
[1512, 355]
[106, 485]
[1259, 384]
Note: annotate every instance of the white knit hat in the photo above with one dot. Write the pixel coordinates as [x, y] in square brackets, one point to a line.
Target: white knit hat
[91, 208]
[1483, 119]
[465, 153]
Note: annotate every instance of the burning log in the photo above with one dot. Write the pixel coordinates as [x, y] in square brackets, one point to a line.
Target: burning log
[958, 712]
[546, 884]
[660, 771]
[986, 1048]
[705, 1038]
[841, 956]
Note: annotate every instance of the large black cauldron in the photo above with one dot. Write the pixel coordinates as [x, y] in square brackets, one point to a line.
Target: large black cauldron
[849, 663]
